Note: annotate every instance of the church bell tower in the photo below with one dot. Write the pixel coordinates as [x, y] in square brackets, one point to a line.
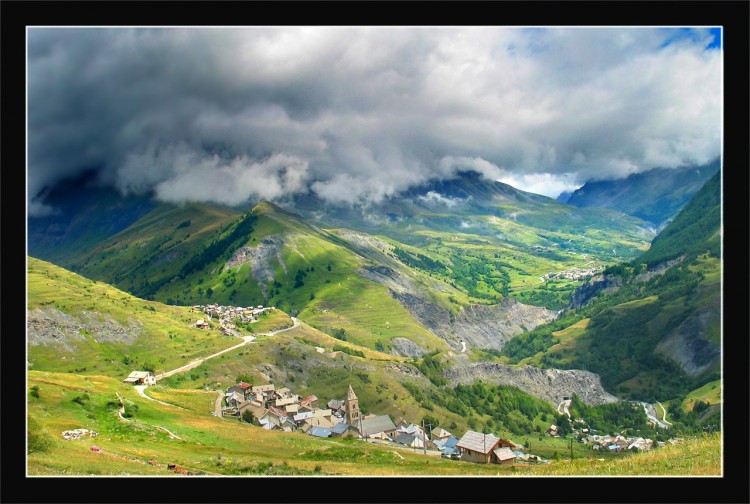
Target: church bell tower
[351, 409]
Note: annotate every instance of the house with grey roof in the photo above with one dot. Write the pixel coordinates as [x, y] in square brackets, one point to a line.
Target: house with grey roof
[503, 455]
[379, 427]
[344, 430]
[320, 432]
[141, 377]
[335, 405]
[410, 440]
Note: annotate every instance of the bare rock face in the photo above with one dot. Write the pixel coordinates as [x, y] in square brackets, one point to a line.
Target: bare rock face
[479, 325]
[686, 345]
[50, 326]
[549, 384]
[493, 326]
[406, 348]
[260, 258]
[599, 284]
[659, 269]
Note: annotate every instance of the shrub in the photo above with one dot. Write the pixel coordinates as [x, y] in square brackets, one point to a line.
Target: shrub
[81, 399]
[34, 391]
[38, 442]
[130, 410]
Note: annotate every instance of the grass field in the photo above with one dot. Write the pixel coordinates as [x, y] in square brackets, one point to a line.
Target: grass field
[220, 446]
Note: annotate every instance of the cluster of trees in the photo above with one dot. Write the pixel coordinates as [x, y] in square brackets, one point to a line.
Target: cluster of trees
[611, 418]
[509, 408]
[419, 261]
[347, 350]
[219, 247]
[553, 295]
[432, 368]
[299, 277]
[339, 333]
[537, 340]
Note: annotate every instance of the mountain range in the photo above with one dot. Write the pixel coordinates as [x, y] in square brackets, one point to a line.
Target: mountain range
[656, 196]
[517, 278]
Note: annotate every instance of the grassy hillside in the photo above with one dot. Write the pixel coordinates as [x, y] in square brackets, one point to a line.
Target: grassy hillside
[491, 240]
[694, 231]
[658, 336]
[266, 256]
[213, 446]
[79, 325]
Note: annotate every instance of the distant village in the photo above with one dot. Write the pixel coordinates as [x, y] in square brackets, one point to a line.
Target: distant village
[616, 443]
[573, 273]
[229, 315]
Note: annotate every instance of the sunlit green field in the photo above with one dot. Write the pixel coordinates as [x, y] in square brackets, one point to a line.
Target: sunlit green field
[212, 446]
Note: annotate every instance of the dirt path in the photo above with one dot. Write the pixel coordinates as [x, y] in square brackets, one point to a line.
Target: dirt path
[217, 407]
[141, 388]
[246, 340]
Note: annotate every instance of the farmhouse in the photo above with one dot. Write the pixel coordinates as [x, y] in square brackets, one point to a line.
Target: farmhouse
[481, 448]
[141, 378]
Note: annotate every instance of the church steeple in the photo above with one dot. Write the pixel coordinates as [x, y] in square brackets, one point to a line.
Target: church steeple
[351, 408]
[350, 395]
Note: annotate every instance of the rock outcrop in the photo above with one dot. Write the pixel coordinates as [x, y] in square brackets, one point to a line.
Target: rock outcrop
[599, 284]
[261, 259]
[406, 348]
[549, 384]
[686, 345]
[50, 326]
[483, 326]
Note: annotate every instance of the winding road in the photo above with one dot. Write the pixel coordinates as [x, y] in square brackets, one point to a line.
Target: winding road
[651, 414]
[664, 414]
[246, 340]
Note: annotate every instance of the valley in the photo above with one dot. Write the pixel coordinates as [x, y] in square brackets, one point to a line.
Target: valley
[479, 317]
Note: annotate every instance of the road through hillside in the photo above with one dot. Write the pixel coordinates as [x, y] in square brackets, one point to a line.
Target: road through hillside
[246, 340]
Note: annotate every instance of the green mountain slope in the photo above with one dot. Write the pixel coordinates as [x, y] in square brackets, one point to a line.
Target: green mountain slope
[655, 196]
[491, 240]
[79, 325]
[653, 331]
[199, 254]
[695, 230]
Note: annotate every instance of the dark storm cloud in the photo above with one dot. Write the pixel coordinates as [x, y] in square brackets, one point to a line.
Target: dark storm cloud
[358, 114]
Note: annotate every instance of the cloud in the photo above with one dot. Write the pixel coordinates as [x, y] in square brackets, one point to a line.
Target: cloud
[357, 114]
[546, 184]
[437, 198]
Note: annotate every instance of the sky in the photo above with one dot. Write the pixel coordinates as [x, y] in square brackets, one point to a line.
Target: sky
[358, 114]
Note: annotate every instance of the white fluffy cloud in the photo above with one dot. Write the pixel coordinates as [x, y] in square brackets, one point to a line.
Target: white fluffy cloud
[357, 114]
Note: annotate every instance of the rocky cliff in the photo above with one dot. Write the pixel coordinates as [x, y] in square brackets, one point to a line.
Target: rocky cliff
[599, 284]
[549, 384]
[686, 344]
[482, 326]
[50, 326]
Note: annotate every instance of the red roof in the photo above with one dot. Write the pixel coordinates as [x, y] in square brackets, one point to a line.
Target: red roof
[276, 411]
[243, 385]
[309, 399]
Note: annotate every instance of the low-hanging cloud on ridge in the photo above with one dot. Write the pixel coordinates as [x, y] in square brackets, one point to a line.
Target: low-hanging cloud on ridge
[358, 114]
